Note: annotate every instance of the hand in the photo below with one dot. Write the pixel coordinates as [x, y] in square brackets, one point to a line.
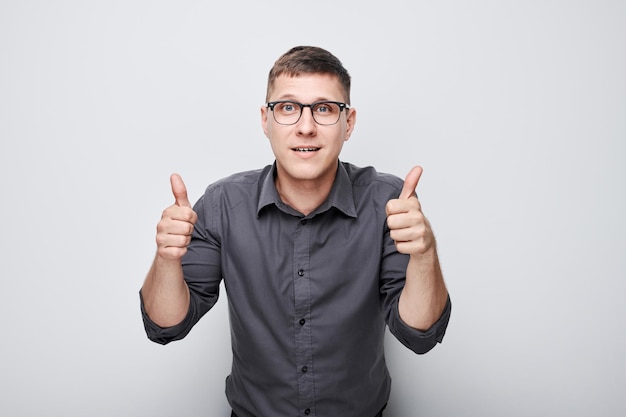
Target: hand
[176, 224]
[408, 226]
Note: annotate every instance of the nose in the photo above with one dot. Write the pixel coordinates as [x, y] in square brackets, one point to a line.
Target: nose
[306, 124]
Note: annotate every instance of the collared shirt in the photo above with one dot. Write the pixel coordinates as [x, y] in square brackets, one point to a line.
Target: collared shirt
[308, 296]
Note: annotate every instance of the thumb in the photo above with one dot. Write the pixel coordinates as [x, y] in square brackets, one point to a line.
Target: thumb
[179, 190]
[410, 182]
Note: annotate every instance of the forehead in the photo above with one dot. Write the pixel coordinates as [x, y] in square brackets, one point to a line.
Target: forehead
[307, 88]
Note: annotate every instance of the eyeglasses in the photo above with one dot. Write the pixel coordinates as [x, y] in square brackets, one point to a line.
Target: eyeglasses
[324, 113]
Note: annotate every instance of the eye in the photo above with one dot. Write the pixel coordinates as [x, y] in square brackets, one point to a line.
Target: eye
[287, 107]
[326, 109]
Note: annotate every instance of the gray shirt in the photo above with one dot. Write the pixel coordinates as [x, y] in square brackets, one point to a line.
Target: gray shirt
[308, 296]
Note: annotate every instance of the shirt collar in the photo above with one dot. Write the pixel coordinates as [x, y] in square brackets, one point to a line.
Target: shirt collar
[340, 196]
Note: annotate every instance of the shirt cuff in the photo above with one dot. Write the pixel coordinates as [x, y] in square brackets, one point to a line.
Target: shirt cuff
[164, 335]
[417, 340]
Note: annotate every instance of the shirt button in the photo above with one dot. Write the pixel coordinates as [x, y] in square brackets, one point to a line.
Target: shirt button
[304, 369]
[303, 221]
[301, 272]
[307, 411]
[302, 321]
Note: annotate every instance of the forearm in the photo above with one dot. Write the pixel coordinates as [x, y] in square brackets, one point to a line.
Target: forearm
[424, 295]
[165, 293]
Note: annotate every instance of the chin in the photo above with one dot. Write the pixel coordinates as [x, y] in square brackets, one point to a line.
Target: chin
[303, 172]
[308, 170]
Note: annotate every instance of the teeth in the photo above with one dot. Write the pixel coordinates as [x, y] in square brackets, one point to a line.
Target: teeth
[306, 149]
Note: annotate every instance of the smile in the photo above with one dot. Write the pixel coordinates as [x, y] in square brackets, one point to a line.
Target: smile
[306, 149]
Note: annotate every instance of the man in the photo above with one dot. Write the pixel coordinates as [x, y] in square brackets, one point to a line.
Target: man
[316, 255]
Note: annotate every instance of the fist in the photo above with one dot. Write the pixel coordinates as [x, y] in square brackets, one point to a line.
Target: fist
[176, 224]
[408, 226]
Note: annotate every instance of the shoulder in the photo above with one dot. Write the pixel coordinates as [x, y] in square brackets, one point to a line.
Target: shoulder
[235, 189]
[244, 177]
[240, 180]
[369, 178]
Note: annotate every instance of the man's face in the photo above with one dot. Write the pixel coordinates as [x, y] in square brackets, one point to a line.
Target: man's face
[306, 151]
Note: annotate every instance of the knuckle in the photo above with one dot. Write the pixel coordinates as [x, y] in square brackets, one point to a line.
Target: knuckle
[390, 206]
[159, 240]
[188, 215]
[162, 226]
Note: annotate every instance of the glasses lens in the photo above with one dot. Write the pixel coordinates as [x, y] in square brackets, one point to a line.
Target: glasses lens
[326, 113]
[287, 112]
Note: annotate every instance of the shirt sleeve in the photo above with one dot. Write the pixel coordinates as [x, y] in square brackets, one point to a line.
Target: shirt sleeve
[393, 277]
[164, 335]
[202, 273]
[419, 341]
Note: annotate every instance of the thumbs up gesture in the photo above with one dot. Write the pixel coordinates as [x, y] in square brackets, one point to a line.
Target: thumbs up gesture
[176, 224]
[408, 226]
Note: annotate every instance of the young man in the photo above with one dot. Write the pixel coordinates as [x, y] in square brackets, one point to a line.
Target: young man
[317, 256]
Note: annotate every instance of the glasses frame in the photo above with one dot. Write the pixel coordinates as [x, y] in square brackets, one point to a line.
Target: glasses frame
[342, 106]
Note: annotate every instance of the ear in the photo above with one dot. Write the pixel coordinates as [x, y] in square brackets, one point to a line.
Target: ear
[265, 120]
[350, 122]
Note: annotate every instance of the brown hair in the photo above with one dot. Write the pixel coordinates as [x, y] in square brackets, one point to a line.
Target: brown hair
[312, 60]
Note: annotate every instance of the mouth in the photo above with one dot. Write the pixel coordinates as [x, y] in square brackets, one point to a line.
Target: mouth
[308, 149]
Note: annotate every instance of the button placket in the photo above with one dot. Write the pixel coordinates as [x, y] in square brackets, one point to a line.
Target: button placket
[302, 307]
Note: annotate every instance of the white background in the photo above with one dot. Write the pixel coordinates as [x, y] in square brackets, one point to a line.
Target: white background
[515, 109]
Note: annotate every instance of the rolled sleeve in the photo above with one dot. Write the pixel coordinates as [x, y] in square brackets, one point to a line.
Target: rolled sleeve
[419, 341]
[164, 335]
